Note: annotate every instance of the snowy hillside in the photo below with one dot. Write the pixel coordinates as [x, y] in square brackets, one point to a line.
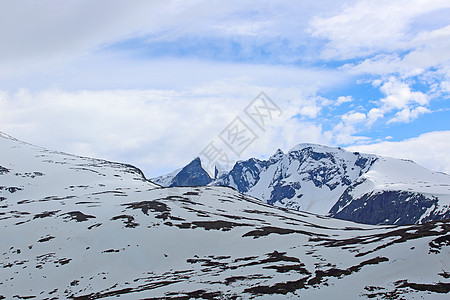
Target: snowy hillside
[346, 185]
[166, 180]
[413, 195]
[25, 168]
[80, 228]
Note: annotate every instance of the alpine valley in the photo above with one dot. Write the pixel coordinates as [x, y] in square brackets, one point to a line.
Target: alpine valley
[330, 181]
[80, 228]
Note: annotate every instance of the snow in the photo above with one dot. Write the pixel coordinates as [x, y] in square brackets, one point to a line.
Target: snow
[166, 180]
[319, 148]
[315, 178]
[396, 174]
[389, 174]
[314, 199]
[142, 241]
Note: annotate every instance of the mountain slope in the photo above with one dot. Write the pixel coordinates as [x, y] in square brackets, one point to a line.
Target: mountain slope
[348, 185]
[413, 195]
[308, 177]
[70, 175]
[193, 174]
[73, 233]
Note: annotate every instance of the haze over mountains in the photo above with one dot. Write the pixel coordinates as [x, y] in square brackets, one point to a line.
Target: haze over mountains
[82, 228]
[331, 181]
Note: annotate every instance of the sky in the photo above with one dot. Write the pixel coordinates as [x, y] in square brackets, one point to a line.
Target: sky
[155, 83]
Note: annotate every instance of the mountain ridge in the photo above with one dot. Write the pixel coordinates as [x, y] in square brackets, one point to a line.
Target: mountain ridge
[323, 180]
[81, 228]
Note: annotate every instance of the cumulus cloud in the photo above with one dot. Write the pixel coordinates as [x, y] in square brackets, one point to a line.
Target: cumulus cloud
[373, 115]
[310, 108]
[343, 99]
[429, 150]
[400, 103]
[354, 117]
[344, 132]
[406, 115]
[399, 95]
[407, 104]
[410, 39]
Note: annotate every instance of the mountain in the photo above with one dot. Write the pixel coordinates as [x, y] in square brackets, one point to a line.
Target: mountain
[395, 191]
[347, 185]
[192, 174]
[82, 228]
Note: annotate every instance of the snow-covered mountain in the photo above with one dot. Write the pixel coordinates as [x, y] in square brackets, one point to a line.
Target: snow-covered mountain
[81, 228]
[347, 185]
[193, 174]
[411, 193]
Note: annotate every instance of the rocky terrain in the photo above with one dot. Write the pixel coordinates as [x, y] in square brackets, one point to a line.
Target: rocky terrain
[332, 181]
[81, 228]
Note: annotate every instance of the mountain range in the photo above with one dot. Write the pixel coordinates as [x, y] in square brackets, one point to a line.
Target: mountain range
[80, 228]
[331, 181]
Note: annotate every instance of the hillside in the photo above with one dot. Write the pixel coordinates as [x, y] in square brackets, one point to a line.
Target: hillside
[80, 228]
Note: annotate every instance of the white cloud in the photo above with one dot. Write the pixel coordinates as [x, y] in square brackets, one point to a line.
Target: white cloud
[399, 95]
[90, 91]
[343, 99]
[344, 132]
[311, 107]
[410, 39]
[133, 126]
[399, 98]
[354, 117]
[38, 34]
[429, 150]
[373, 115]
[156, 130]
[53, 35]
[406, 115]
[310, 111]
[428, 49]
[368, 27]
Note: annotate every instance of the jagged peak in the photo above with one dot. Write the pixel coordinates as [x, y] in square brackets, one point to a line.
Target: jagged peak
[277, 155]
[196, 161]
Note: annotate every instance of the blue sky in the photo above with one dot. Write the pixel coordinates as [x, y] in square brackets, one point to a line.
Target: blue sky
[153, 82]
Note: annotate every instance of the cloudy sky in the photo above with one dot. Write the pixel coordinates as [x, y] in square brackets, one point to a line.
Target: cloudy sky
[152, 83]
